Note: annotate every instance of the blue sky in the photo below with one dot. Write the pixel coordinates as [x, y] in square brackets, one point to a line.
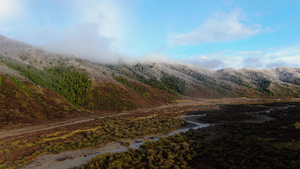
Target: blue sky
[210, 34]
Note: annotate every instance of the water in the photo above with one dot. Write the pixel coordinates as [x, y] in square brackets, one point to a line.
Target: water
[73, 163]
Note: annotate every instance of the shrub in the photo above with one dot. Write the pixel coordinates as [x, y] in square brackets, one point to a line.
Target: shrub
[126, 143]
[2, 166]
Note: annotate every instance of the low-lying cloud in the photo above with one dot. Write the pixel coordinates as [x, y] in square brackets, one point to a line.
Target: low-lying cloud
[96, 35]
[88, 29]
[205, 62]
[219, 28]
[269, 58]
[84, 41]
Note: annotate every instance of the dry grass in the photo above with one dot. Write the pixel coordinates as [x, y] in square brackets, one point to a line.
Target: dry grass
[70, 134]
[297, 125]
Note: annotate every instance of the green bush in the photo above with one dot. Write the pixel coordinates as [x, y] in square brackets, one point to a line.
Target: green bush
[72, 84]
[174, 84]
[263, 85]
[126, 143]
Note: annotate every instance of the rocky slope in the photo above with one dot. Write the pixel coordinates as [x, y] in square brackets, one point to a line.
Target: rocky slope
[37, 84]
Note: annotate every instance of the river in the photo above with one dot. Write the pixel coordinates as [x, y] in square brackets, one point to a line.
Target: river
[66, 163]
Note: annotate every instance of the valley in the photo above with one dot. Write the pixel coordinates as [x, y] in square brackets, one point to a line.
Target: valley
[33, 147]
[55, 108]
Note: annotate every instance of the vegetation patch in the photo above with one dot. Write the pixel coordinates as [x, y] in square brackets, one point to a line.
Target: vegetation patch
[169, 83]
[23, 103]
[114, 97]
[271, 144]
[297, 125]
[69, 82]
[208, 82]
[174, 84]
[172, 152]
[20, 84]
[72, 84]
[140, 89]
[263, 85]
[26, 147]
[113, 129]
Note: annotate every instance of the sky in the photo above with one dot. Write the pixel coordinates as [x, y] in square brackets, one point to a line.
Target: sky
[210, 34]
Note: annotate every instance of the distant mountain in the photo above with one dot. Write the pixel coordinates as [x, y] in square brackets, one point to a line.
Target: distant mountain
[37, 85]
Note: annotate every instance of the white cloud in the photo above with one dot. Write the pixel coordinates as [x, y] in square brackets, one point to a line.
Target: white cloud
[97, 33]
[205, 62]
[107, 15]
[8, 9]
[82, 41]
[220, 27]
[288, 56]
[92, 29]
[268, 58]
[156, 57]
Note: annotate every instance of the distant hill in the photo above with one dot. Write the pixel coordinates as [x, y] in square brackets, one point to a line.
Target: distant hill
[37, 85]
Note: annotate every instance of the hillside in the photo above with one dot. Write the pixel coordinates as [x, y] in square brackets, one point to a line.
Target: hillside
[37, 85]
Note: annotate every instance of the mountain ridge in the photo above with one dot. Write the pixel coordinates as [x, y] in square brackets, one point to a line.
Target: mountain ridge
[87, 86]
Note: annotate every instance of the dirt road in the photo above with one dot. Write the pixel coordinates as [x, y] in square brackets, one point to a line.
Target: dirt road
[32, 129]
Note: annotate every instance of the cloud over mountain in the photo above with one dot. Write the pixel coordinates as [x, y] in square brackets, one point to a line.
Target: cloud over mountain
[267, 58]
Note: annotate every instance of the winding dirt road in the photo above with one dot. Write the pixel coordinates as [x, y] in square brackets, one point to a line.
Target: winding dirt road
[32, 129]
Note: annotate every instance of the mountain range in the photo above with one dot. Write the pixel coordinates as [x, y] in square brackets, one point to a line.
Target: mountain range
[37, 85]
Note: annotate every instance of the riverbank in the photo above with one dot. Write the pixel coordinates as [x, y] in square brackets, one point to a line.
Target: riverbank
[72, 159]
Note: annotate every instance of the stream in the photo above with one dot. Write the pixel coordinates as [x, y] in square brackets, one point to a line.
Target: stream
[66, 163]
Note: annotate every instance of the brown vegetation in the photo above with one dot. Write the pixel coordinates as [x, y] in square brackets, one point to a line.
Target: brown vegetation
[111, 96]
[18, 150]
[19, 108]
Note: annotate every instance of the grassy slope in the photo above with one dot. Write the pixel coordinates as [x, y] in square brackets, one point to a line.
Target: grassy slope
[113, 96]
[19, 107]
[25, 103]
